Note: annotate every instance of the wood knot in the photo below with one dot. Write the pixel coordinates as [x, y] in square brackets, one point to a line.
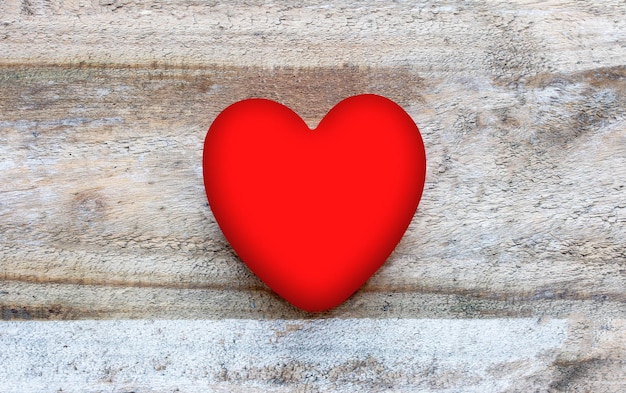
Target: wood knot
[88, 208]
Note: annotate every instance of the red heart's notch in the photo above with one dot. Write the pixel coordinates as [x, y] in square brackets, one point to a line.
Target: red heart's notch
[314, 213]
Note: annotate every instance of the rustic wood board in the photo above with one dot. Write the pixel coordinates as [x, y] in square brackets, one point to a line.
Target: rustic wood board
[522, 107]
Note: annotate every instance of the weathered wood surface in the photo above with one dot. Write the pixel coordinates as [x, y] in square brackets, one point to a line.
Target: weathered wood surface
[369, 355]
[104, 107]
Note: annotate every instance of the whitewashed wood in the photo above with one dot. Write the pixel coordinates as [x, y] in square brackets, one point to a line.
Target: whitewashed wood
[407, 355]
[280, 356]
[104, 106]
[503, 38]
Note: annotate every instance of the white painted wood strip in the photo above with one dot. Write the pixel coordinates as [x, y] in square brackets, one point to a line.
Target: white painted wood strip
[508, 38]
[342, 355]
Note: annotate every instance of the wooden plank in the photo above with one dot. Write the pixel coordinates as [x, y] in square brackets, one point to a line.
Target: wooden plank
[103, 109]
[103, 187]
[429, 355]
[219, 355]
[504, 40]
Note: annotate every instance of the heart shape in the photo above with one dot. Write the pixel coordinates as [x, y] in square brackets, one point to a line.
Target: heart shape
[314, 213]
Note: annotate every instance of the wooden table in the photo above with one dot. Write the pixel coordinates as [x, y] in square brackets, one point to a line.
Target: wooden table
[115, 276]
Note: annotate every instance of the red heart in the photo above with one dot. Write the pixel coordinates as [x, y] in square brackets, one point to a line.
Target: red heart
[314, 213]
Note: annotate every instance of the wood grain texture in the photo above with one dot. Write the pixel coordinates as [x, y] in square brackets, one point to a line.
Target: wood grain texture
[193, 356]
[104, 106]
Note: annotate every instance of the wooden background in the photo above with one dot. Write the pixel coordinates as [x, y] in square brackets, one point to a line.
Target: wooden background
[511, 277]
